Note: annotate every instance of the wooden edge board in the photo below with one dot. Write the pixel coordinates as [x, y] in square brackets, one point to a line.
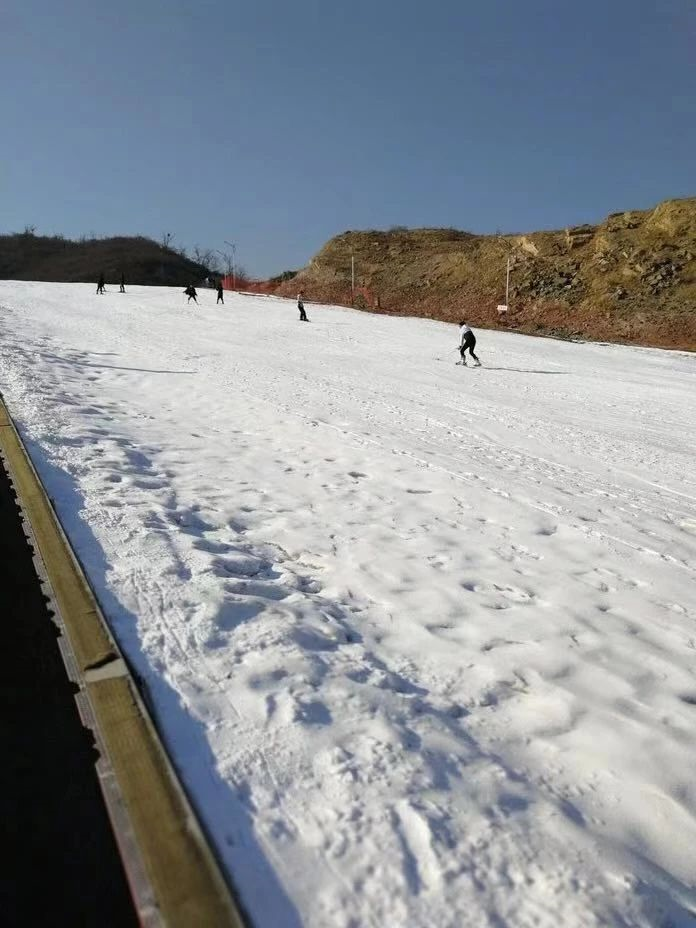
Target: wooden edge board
[172, 870]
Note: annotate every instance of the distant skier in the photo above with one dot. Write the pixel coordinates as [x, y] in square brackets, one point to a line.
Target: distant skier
[219, 293]
[190, 292]
[122, 288]
[101, 284]
[467, 342]
[300, 306]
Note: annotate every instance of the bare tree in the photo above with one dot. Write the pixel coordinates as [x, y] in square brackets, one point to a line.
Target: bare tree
[241, 276]
[209, 261]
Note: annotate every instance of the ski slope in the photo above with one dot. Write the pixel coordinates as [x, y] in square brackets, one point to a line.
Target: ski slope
[421, 639]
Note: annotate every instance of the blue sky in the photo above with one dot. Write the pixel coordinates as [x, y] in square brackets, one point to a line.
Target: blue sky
[277, 125]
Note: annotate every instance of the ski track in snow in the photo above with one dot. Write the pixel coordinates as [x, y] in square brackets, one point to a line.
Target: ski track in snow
[421, 639]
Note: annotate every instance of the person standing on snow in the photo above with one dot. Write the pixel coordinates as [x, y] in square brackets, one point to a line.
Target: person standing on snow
[101, 284]
[467, 342]
[219, 293]
[300, 306]
[122, 288]
[190, 292]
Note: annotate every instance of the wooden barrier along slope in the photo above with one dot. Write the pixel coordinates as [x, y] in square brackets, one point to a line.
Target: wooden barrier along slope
[173, 874]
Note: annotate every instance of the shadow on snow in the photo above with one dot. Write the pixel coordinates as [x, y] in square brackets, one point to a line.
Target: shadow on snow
[185, 738]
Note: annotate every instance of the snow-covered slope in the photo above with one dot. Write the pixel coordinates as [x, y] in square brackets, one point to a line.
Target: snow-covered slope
[422, 638]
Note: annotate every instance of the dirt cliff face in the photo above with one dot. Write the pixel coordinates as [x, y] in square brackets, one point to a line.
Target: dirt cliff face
[630, 279]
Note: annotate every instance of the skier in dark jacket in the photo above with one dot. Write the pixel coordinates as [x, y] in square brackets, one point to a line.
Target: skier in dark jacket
[300, 306]
[122, 288]
[467, 342]
[101, 284]
[219, 293]
[190, 292]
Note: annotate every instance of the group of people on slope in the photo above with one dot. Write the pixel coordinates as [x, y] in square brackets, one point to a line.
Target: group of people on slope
[467, 339]
[101, 284]
[192, 294]
[190, 291]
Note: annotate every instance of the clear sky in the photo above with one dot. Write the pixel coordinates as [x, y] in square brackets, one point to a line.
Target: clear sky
[278, 124]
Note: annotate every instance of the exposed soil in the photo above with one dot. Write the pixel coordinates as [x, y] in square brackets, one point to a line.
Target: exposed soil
[630, 279]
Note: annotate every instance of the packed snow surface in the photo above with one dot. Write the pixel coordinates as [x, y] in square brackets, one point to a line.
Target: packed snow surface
[421, 638]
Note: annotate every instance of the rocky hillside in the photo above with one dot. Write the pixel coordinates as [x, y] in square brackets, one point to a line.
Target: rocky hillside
[26, 256]
[630, 279]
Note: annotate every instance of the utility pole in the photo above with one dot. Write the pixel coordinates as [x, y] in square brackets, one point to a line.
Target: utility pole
[507, 283]
[234, 263]
[503, 307]
[352, 279]
[227, 259]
